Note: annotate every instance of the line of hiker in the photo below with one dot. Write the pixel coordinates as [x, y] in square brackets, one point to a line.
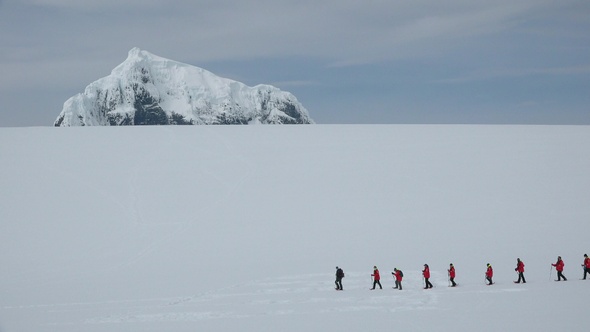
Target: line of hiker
[398, 275]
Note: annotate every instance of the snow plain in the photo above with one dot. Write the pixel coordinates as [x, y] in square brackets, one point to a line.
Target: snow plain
[239, 228]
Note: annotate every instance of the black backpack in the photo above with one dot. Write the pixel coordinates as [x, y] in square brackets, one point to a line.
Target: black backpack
[340, 273]
[401, 274]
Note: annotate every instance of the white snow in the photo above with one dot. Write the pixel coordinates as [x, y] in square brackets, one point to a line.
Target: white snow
[239, 228]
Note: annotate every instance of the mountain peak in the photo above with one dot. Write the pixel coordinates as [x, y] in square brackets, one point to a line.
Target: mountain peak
[150, 90]
[135, 52]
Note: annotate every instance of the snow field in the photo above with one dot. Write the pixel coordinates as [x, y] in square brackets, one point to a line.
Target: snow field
[240, 228]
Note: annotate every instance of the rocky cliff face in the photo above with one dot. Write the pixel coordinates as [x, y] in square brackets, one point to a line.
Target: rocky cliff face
[149, 90]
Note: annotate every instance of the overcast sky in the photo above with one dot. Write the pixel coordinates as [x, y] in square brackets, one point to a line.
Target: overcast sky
[371, 61]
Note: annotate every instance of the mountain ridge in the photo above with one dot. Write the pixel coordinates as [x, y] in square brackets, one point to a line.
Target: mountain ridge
[147, 89]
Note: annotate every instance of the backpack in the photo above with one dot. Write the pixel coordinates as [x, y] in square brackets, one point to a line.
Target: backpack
[340, 273]
[401, 274]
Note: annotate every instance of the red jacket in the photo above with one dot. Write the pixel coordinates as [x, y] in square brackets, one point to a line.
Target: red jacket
[398, 275]
[520, 267]
[587, 262]
[376, 274]
[426, 272]
[452, 272]
[490, 272]
[559, 265]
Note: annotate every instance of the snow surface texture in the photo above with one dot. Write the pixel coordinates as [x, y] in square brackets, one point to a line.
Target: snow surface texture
[149, 90]
[240, 228]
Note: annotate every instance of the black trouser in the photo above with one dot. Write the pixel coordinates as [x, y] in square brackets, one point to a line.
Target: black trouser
[428, 284]
[586, 270]
[453, 282]
[375, 283]
[521, 277]
[398, 285]
[560, 275]
[489, 279]
[339, 283]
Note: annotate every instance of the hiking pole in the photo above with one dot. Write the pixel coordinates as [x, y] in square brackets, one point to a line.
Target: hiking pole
[550, 272]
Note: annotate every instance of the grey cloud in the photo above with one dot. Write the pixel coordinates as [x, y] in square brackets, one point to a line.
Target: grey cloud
[71, 43]
[343, 31]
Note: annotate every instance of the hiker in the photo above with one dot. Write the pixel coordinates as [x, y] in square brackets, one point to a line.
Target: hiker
[339, 276]
[398, 275]
[489, 274]
[586, 265]
[559, 267]
[520, 269]
[426, 274]
[452, 275]
[376, 278]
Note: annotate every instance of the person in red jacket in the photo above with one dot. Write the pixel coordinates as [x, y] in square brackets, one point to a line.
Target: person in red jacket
[586, 265]
[520, 269]
[398, 275]
[426, 274]
[452, 275]
[489, 274]
[376, 278]
[559, 267]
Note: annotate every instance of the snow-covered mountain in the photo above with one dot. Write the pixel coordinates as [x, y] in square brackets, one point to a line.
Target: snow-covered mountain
[150, 90]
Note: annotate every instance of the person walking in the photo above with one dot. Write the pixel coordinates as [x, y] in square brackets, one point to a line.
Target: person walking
[339, 276]
[426, 274]
[376, 278]
[586, 265]
[452, 275]
[489, 274]
[398, 275]
[520, 269]
[559, 268]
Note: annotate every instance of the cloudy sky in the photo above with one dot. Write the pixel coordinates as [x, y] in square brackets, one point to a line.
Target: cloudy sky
[372, 61]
